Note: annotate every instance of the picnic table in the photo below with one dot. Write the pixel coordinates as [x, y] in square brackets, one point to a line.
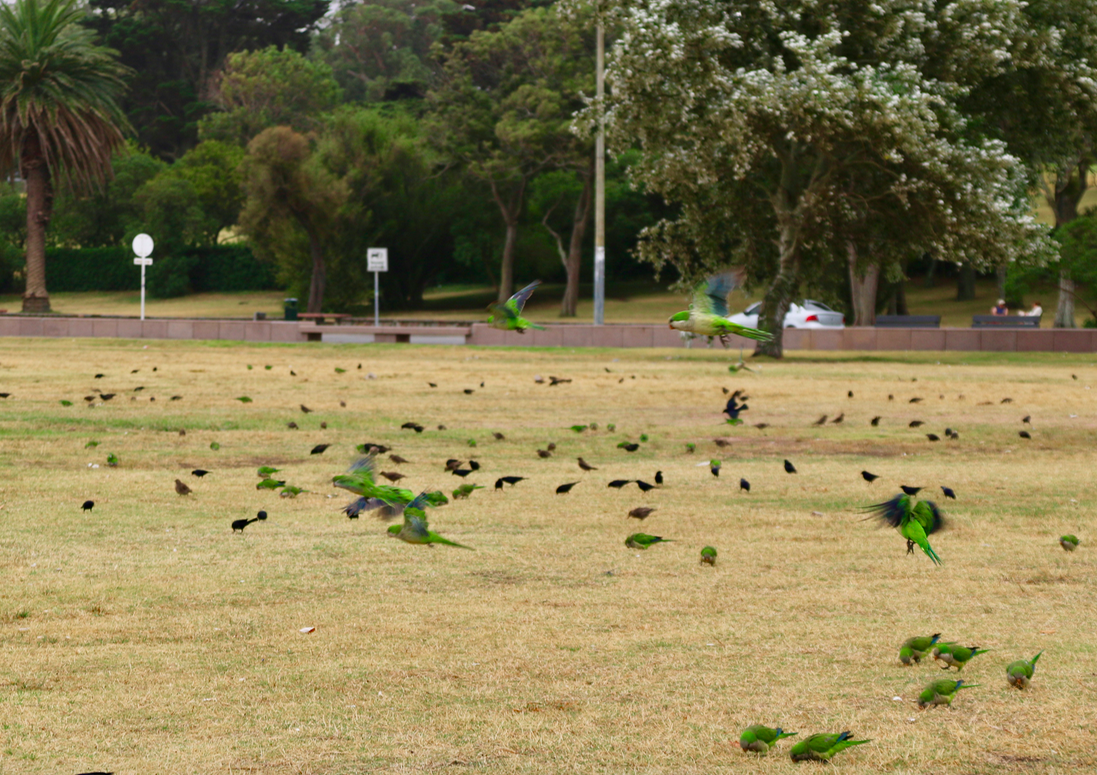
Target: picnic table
[320, 317]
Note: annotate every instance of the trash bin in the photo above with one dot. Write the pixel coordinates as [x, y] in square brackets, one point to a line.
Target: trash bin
[291, 309]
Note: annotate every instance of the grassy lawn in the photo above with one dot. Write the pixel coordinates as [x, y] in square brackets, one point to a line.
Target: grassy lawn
[144, 636]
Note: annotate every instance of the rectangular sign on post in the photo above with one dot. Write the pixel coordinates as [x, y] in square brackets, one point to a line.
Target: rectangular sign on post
[377, 261]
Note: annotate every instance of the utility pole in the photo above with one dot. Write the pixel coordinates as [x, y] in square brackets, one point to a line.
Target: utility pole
[600, 185]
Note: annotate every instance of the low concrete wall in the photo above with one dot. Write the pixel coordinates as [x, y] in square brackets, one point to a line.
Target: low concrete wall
[1079, 340]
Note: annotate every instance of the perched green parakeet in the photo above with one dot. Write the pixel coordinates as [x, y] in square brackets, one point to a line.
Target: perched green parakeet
[821, 747]
[91, 445]
[112, 459]
[270, 484]
[760, 739]
[415, 529]
[291, 492]
[1069, 542]
[941, 692]
[266, 471]
[914, 521]
[579, 428]
[508, 315]
[955, 656]
[708, 557]
[1019, 673]
[913, 649]
[466, 490]
[707, 313]
[643, 540]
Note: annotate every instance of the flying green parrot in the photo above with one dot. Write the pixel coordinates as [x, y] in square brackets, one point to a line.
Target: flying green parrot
[415, 529]
[913, 649]
[643, 540]
[1019, 673]
[708, 557]
[941, 692]
[955, 656]
[465, 490]
[760, 738]
[1069, 542]
[360, 479]
[820, 748]
[707, 313]
[508, 315]
[914, 521]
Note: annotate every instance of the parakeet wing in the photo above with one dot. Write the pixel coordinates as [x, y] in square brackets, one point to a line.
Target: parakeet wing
[517, 302]
[712, 298]
[892, 512]
[929, 516]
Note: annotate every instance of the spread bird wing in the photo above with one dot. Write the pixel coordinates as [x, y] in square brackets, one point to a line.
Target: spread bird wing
[517, 302]
[712, 298]
[891, 512]
[929, 516]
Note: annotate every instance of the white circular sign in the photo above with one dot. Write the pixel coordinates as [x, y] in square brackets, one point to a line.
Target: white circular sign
[142, 245]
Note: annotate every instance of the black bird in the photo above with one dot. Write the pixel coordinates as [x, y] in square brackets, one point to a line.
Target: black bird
[433, 385]
[839, 418]
[869, 477]
[240, 524]
[199, 472]
[875, 421]
[543, 453]
[630, 447]
[291, 425]
[821, 420]
[617, 484]
[319, 449]
[398, 460]
[176, 398]
[369, 448]
[481, 384]
[461, 472]
[565, 488]
[916, 424]
[715, 469]
[88, 505]
[469, 391]
[106, 396]
[509, 480]
[658, 477]
[761, 426]
[733, 407]
[305, 409]
[891, 397]
[497, 436]
[452, 463]
[910, 490]
[586, 466]
[89, 398]
[138, 388]
[343, 404]
[1024, 435]
[948, 492]
[393, 476]
[414, 426]
[474, 465]
[641, 512]
[933, 437]
[744, 485]
[644, 486]
[324, 426]
[135, 371]
[914, 400]
[1006, 401]
[1026, 420]
[100, 376]
[789, 467]
[850, 394]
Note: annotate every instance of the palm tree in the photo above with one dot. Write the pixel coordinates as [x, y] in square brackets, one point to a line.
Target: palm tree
[59, 115]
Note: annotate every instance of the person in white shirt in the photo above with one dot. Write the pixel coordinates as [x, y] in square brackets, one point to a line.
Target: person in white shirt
[1036, 310]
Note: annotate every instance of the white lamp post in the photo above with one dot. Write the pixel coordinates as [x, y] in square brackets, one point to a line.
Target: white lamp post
[142, 246]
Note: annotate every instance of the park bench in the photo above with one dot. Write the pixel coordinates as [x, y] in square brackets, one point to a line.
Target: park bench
[908, 321]
[383, 334]
[1005, 321]
[320, 317]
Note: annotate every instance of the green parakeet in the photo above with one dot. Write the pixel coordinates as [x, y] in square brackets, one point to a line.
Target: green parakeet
[291, 492]
[643, 540]
[360, 479]
[941, 692]
[820, 748]
[415, 529]
[579, 428]
[1019, 673]
[508, 315]
[466, 490]
[708, 557]
[436, 499]
[266, 471]
[760, 738]
[913, 649]
[270, 484]
[1069, 542]
[707, 313]
[112, 459]
[955, 656]
[914, 521]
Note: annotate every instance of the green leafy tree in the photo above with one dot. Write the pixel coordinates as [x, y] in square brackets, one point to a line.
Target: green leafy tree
[59, 115]
[208, 178]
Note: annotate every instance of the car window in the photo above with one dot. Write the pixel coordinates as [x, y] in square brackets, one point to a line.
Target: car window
[817, 305]
[753, 308]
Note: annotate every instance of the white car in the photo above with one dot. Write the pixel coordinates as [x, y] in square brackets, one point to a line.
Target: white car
[811, 314]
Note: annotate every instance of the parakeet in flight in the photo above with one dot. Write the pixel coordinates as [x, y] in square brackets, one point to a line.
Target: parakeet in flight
[760, 739]
[508, 315]
[360, 479]
[913, 649]
[643, 540]
[415, 529]
[955, 656]
[707, 313]
[1019, 673]
[914, 521]
[821, 747]
[941, 692]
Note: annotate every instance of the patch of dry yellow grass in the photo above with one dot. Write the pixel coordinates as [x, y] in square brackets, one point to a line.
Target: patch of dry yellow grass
[146, 637]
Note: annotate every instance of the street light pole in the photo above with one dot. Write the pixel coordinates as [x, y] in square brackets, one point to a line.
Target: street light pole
[600, 186]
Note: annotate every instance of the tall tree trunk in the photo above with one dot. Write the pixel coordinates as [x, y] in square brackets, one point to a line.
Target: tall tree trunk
[1000, 275]
[319, 275]
[1070, 187]
[965, 282]
[901, 298]
[932, 271]
[863, 286]
[1064, 310]
[572, 265]
[511, 210]
[39, 209]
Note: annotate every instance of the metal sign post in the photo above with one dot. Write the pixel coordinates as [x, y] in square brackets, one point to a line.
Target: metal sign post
[142, 246]
[377, 261]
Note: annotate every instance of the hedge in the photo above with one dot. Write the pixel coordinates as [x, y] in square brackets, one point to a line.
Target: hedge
[210, 269]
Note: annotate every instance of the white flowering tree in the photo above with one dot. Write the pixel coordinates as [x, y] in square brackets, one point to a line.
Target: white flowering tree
[799, 137]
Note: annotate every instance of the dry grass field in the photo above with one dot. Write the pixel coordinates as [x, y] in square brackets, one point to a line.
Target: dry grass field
[146, 637]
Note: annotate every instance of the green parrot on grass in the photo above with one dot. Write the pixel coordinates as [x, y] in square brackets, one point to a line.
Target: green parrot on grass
[270, 484]
[914, 521]
[707, 313]
[265, 472]
[760, 739]
[465, 490]
[643, 540]
[913, 649]
[1019, 673]
[415, 529]
[508, 315]
[1069, 542]
[941, 692]
[290, 491]
[955, 656]
[821, 747]
[708, 557]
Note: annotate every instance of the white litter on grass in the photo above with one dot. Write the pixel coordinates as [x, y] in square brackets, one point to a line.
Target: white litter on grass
[896, 699]
[307, 630]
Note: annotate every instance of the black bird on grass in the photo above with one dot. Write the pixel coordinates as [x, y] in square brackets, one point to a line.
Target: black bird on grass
[850, 394]
[821, 421]
[106, 396]
[933, 437]
[319, 449]
[412, 426]
[497, 436]
[641, 512]
[839, 418]
[586, 466]
[734, 407]
[789, 467]
[744, 485]
[543, 453]
[432, 384]
[914, 400]
[369, 448]
[181, 488]
[617, 484]
[1026, 420]
[565, 488]
[629, 447]
[916, 424]
[398, 460]
[910, 490]
[658, 477]
[100, 376]
[948, 492]
[393, 476]
[469, 391]
[644, 486]
[474, 465]
[461, 472]
[199, 472]
[1025, 435]
[512, 480]
[291, 425]
[305, 409]
[88, 505]
[176, 398]
[875, 421]
[869, 477]
[240, 524]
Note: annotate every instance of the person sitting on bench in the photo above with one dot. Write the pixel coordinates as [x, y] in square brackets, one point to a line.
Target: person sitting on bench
[1000, 308]
[1036, 311]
